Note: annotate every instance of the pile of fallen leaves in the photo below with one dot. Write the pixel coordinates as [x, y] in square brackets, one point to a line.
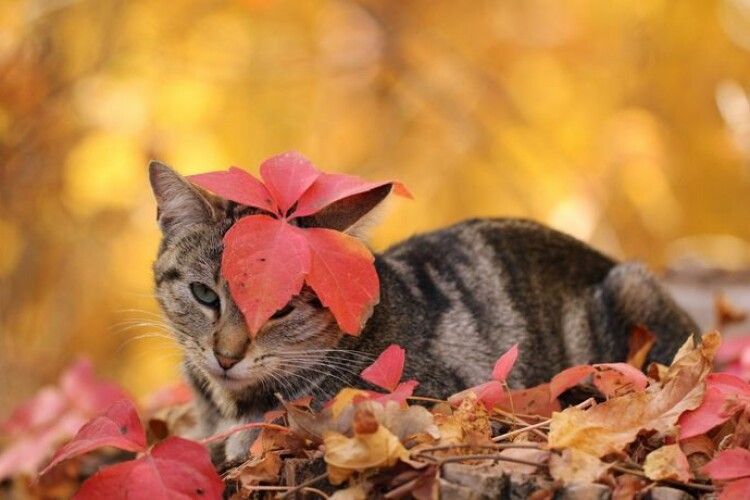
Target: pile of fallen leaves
[680, 425]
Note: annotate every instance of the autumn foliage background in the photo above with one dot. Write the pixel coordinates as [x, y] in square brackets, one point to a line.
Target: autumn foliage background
[624, 123]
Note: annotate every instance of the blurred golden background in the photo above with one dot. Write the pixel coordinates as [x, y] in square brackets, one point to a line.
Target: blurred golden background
[624, 123]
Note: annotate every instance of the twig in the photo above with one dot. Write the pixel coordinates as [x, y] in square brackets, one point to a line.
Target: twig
[502, 446]
[242, 427]
[304, 485]
[429, 400]
[543, 423]
[688, 484]
[495, 456]
[287, 488]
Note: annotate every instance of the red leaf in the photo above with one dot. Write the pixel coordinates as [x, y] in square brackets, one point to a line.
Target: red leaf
[265, 261]
[330, 188]
[729, 464]
[386, 371]
[343, 277]
[403, 391]
[610, 378]
[81, 386]
[119, 427]
[736, 490]
[287, 176]
[175, 468]
[54, 415]
[715, 408]
[505, 364]
[237, 185]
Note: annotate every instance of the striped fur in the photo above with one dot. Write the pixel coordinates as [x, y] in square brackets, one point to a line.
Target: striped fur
[455, 299]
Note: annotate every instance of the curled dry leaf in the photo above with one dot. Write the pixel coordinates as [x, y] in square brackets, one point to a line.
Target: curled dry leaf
[576, 466]
[667, 462]
[345, 455]
[612, 425]
[640, 342]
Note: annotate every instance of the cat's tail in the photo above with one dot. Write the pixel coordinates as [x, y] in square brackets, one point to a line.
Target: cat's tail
[639, 299]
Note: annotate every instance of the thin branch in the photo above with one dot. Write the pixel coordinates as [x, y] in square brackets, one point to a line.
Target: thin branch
[254, 425]
[304, 485]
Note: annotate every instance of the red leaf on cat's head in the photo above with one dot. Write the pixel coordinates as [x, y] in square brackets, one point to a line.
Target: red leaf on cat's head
[330, 188]
[175, 468]
[267, 260]
[119, 427]
[343, 277]
[505, 363]
[386, 371]
[287, 176]
[237, 185]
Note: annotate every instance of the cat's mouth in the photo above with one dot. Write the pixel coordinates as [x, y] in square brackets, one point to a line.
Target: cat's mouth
[229, 380]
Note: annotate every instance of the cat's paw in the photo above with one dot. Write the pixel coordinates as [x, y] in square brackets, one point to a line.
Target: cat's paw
[237, 447]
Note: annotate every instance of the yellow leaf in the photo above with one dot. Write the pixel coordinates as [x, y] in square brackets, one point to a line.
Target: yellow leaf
[345, 455]
[667, 462]
[575, 466]
[344, 398]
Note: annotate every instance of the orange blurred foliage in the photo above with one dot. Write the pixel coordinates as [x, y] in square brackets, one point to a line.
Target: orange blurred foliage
[624, 123]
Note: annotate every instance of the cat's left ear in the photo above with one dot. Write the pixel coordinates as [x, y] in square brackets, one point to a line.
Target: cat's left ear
[179, 203]
[353, 215]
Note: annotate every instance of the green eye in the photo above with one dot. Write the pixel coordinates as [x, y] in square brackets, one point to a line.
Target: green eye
[204, 295]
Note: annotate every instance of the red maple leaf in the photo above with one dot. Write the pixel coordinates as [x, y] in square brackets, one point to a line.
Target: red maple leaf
[174, 468]
[268, 257]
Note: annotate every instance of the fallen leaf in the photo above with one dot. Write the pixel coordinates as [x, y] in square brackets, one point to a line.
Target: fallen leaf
[729, 464]
[640, 342]
[119, 427]
[576, 466]
[725, 396]
[505, 363]
[175, 468]
[667, 462]
[386, 370]
[345, 455]
[612, 425]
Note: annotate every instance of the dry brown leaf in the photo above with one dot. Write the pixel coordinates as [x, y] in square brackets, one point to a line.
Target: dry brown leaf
[699, 450]
[263, 469]
[473, 417]
[575, 466]
[627, 486]
[639, 344]
[345, 455]
[727, 313]
[667, 462]
[354, 492]
[528, 454]
[610, 426]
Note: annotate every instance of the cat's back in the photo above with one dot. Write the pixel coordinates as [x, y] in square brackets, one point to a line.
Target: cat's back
[460, 296]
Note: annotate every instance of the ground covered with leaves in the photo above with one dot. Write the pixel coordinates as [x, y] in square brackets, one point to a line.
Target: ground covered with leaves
[681, 430]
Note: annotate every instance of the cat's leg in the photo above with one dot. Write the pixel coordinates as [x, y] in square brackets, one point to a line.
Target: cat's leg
[635, 297]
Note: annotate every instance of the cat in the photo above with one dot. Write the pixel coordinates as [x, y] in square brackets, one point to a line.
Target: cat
[455, 299]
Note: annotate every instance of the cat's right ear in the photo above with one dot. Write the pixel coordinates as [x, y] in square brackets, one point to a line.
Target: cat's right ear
[179, 203]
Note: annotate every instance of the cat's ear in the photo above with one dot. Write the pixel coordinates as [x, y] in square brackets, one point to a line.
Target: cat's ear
[179, 203]
[354, 215]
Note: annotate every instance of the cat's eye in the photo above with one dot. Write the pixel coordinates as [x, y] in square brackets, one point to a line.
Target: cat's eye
[204, 295]
[284, 311]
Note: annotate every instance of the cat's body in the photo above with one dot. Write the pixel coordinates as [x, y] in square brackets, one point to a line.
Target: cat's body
[455, 299]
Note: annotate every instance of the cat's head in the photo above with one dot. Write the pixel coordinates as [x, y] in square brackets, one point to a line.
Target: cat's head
[196, 299]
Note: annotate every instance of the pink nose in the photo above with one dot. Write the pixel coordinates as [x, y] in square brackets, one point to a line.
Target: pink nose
[226, 362]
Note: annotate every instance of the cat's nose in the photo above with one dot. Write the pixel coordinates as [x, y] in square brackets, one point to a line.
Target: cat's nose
[226, 362]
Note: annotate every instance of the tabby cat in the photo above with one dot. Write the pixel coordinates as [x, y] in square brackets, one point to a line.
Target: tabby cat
[454, 299]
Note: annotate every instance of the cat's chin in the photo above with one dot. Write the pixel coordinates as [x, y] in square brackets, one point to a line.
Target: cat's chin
[232, 384]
